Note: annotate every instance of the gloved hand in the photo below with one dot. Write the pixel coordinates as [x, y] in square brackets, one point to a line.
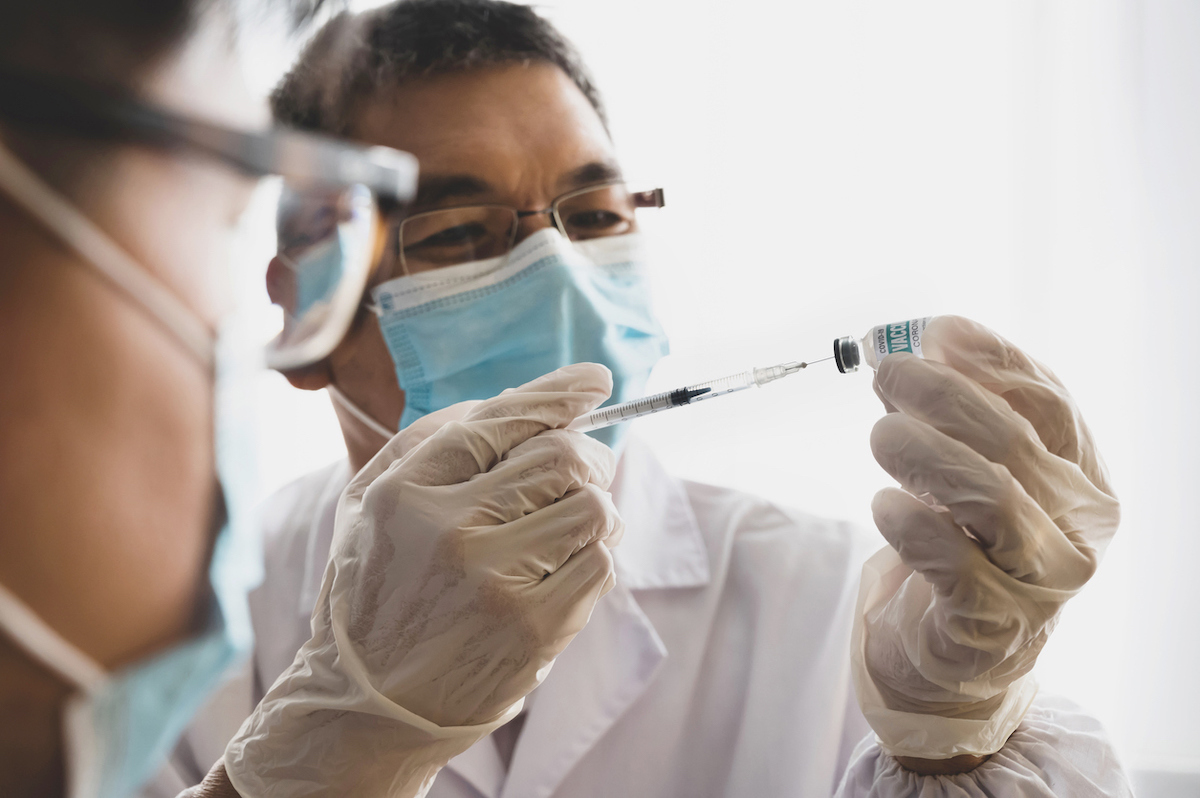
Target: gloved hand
[457, 574]
[1016, 515]
[417, 432]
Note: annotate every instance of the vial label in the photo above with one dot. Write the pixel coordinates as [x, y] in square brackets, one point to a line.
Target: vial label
[900, 336]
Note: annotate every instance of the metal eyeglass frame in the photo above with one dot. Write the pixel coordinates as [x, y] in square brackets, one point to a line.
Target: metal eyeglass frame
[651, 198]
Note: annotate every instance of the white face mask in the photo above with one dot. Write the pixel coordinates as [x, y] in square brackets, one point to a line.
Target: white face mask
[119, 727]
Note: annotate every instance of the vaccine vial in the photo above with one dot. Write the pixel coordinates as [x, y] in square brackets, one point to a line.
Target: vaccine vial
[884, 340]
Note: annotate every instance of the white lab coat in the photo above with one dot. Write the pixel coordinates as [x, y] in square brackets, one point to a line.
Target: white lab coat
[718, 666]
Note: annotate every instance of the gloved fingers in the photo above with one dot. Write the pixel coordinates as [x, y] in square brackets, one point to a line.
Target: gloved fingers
[553, 400]
[1029, 387]
[540, 471]
[417, 432]
[957, 619]
[538, 544]
[887, 405]
[984, 498]
[971, 610]
[406, 441]
[961, 408]
[565, 599]
[461, 450]
[928, 541]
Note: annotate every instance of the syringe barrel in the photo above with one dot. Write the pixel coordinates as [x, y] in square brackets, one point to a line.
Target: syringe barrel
[699, 392]
[723, 386]
[627, 411]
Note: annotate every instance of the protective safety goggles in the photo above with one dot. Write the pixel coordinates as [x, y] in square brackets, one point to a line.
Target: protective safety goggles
[335, 205]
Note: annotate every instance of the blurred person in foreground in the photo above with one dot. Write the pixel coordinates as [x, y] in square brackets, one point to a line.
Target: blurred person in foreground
[721, 663]
[128, 149]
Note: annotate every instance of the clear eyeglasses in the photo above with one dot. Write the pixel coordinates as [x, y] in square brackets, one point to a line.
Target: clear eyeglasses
[452, 236]
[338, 200]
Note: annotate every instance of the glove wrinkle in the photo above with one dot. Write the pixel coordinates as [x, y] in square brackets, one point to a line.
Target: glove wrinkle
[436, 615]
[953, 616]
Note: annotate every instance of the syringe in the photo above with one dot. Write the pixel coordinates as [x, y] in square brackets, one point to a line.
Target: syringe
[701, 391]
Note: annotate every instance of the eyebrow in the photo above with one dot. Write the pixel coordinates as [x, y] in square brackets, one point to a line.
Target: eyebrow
[436, 188]
[594, 172]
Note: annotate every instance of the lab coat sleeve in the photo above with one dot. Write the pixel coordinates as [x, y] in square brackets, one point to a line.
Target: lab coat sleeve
[854, 729]
[1057, 750]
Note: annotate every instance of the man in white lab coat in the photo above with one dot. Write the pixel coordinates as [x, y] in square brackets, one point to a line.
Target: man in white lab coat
[721, 662]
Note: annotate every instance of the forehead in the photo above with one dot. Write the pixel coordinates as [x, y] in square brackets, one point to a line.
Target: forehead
[506, 124]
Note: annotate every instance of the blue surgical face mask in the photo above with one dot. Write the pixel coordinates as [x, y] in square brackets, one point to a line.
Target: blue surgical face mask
[120, 726]
[473, 330]
[318, 272]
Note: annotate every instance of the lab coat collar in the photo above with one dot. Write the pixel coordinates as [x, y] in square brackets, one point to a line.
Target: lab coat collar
[604, 670]
[663, 546]
[612, 662]
[481, 767]
[592, 683]
[320, 535]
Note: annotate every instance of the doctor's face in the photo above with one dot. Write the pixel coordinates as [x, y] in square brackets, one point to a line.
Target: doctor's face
[517, 135]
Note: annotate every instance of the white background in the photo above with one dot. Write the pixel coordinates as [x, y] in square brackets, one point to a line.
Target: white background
[834, 165]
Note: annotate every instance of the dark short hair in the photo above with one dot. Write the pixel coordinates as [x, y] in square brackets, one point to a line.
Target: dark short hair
[109, 41]
[102, 43]
[355, 56]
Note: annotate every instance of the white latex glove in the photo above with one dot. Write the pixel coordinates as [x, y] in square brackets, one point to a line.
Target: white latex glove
[951, 622]
[457, 574]
[417, 432]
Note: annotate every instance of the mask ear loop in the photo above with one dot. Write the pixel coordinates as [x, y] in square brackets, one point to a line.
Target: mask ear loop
[360, 414]
[89, 241]
[46, 645]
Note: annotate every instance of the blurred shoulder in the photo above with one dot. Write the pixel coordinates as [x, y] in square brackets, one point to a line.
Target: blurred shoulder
[291, 511]
[764, 538]
[297, 527]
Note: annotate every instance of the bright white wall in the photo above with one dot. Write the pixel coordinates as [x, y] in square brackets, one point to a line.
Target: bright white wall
[833, 165]
[1163, 635]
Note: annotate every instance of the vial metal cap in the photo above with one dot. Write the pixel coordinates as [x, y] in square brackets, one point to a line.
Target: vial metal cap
[847, 354]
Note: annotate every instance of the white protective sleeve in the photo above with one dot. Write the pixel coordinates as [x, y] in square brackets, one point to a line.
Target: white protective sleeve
[1057, 750]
